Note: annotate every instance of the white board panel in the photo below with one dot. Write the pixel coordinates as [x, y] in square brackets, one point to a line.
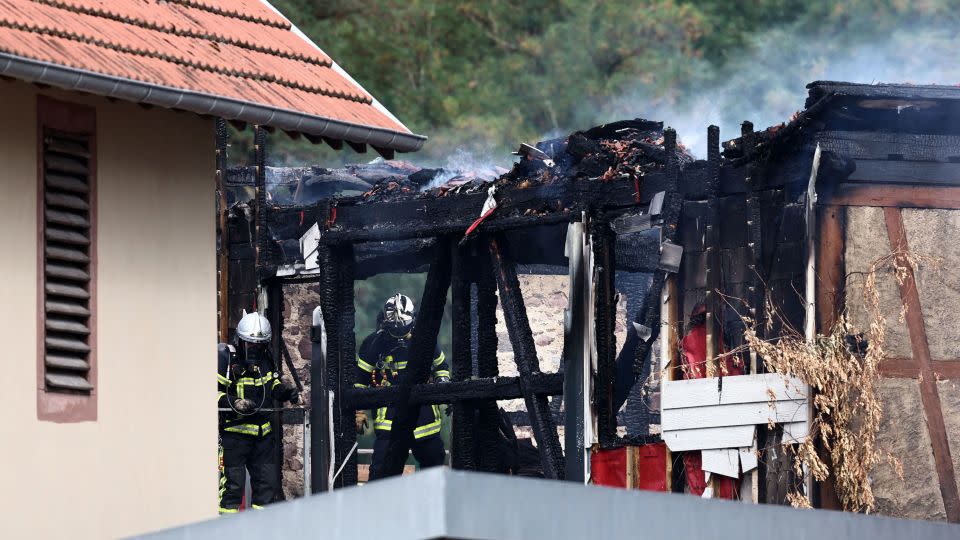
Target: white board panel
[309, 244]
[707, 438]
[734, 415]
[795, 432]
[732, 390]
[748, 458]
[724, 461]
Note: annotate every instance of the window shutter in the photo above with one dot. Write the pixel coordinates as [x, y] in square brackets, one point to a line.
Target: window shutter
[66, 261]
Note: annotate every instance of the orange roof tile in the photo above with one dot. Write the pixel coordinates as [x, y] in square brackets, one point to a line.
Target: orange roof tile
[238, 59]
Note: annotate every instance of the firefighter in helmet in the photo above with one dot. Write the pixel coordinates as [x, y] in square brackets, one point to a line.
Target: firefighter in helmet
[382, 358]
[246, 384]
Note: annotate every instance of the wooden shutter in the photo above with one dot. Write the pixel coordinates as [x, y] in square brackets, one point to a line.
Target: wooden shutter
[67, 248]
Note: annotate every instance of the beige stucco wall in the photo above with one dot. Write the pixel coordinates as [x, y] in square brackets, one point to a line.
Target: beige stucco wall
[149, 460]
[904, 432]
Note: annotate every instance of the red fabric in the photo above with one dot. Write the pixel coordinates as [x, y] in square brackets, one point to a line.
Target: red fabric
[652, 467]
[692, 466]
[724, 487]
[694, 358]
[694, 349]
[609, 467]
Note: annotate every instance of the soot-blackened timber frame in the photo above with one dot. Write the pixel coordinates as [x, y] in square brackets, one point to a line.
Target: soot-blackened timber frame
[434, 227]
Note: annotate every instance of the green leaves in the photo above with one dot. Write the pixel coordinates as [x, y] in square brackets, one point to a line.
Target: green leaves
[488, 74]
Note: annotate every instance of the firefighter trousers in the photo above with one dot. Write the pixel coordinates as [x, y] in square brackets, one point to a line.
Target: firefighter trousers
[242, 453]
[428, 452]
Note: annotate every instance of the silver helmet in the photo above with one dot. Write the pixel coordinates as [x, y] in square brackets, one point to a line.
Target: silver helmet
[398, 315]
[254, 328]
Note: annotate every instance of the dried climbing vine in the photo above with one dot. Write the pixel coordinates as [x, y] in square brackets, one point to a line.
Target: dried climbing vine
[842, 367]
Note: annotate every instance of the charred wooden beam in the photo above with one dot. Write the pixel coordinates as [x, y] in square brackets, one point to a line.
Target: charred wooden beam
[466, 392]
[488, 415]
[605, 325]
[261, 235]
[274, 314]
[463, 446]
[336, 301]
[884, 146]
[712, 249]
[347, 355]
[875, 171]
[358, 221]
[525, 355]
[420, 360]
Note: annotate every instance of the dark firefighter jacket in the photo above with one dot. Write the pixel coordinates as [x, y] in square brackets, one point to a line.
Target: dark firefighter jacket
[258, 383]
[381, 358]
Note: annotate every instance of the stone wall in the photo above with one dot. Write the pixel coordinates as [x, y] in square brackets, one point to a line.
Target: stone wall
[904, 432]
[300, 300]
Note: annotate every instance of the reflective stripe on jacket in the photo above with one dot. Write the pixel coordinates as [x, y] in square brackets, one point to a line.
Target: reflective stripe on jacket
[381, 358]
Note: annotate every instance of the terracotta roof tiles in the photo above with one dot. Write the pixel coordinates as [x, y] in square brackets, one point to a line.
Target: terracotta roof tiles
[236, 49]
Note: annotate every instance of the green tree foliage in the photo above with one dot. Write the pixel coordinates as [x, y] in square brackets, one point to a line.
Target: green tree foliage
[484, 75]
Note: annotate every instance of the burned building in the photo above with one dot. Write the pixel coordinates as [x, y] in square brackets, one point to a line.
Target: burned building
[634, 236]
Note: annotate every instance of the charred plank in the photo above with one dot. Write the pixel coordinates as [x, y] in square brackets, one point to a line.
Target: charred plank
[525, 355]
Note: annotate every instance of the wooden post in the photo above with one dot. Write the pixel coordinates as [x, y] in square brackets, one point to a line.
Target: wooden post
[260, 229]
[754, 296]
[605, 324]
[830, 303]
[574, 349]
[668, 348]
[347, 358]
[336, 300]
[488, 415]
[274, 313]
[223, 239]
[712, 247]
[462, 442]
[320, 456]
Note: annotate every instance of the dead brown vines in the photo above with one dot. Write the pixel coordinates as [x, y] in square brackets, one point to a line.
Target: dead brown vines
[847, 409]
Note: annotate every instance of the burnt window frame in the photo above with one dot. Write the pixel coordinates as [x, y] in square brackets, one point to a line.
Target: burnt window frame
[66, 119]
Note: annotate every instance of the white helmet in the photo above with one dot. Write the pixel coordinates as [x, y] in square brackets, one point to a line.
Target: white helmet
[398, 315]
[254, 328]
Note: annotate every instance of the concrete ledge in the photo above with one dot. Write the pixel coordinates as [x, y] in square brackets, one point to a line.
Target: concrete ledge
[441, 503]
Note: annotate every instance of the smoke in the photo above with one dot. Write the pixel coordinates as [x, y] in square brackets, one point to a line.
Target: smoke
[766, 84]
[469, 165]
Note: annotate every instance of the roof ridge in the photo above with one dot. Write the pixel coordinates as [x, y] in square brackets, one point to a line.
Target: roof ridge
[172, 29]
[235, 14]
[246, 74]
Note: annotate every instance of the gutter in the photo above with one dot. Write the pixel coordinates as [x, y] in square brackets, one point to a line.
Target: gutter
[202, 103]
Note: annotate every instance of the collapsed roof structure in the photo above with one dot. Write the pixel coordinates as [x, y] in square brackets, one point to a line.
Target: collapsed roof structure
[780, 217]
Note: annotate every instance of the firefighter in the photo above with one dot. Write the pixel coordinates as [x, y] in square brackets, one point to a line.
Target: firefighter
[381, 358]
[247, 383]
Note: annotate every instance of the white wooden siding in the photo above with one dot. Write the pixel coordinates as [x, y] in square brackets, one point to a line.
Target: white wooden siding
[704, 414]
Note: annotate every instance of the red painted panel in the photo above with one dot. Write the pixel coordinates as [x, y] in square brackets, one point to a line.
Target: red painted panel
[609, 467]
[652, 467]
